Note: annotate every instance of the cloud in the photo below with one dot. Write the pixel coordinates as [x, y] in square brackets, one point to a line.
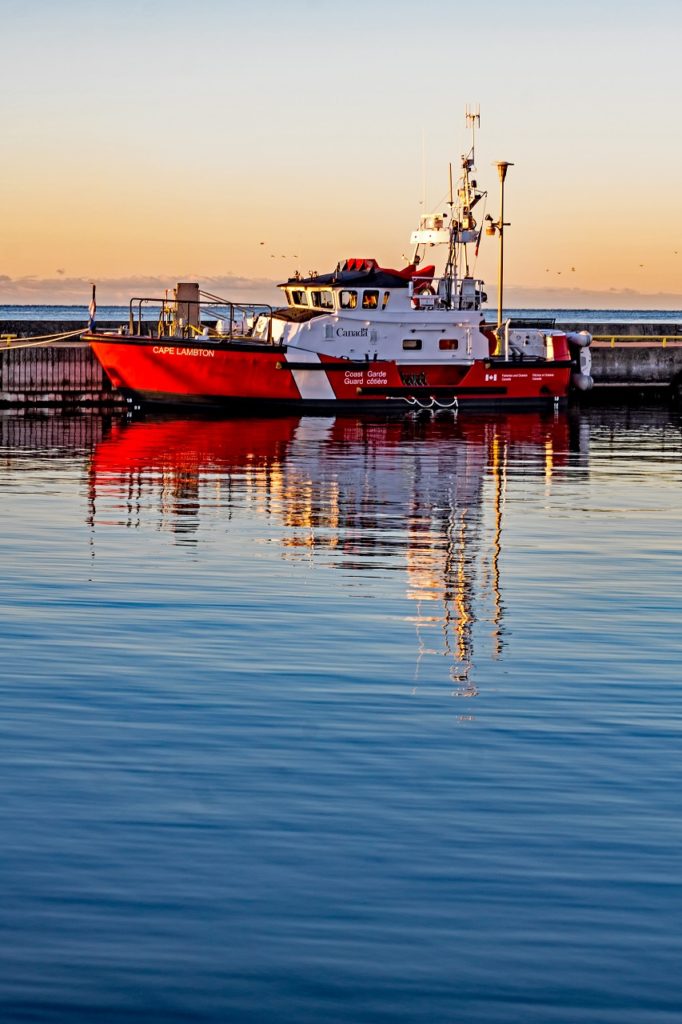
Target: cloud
[31, 290]
[62, 290]
[524, 297]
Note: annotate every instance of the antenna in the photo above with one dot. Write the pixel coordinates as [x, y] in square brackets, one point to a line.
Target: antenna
[423, 171]
[472, 117]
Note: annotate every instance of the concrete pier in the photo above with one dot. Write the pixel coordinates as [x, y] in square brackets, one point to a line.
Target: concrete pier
[632, 361]
[638, 365]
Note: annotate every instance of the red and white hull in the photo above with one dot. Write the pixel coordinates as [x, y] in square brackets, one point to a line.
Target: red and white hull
[176, 372]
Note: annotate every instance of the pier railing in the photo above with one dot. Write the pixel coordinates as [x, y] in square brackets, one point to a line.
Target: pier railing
[648, 339]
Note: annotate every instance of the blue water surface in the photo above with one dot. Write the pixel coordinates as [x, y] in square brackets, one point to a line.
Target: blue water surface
[341, 720]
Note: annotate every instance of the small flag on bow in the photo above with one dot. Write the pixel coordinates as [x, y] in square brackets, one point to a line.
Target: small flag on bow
[92, 310]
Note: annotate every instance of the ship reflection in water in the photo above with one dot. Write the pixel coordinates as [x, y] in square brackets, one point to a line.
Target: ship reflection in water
[370, 498]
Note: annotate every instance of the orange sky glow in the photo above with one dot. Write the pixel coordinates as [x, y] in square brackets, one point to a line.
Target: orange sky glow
[290, 139]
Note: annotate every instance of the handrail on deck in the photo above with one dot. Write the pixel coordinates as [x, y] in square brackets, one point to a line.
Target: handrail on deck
[238, 312]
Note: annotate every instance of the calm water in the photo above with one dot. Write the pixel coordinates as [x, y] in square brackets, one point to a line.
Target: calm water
[314, 720]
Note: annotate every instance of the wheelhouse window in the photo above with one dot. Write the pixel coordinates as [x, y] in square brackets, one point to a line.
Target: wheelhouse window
[385, 299]
[298, 297]
[370, 299]
[348, 299]
[322, 299]
[412, 343]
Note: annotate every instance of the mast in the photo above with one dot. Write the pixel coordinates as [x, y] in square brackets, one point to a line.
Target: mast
[462, 223]
[450, 273]
[458, 290]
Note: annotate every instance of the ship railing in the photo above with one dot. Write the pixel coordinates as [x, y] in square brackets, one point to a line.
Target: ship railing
[429, 292]
[535, 323]
[210, 318]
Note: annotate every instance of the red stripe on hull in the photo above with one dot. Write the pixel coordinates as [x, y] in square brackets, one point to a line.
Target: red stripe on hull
[520, 382]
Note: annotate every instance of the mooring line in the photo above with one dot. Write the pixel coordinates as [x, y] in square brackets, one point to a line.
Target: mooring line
[40, 339]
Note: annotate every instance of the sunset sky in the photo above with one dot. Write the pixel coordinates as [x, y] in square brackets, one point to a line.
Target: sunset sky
[147, 142]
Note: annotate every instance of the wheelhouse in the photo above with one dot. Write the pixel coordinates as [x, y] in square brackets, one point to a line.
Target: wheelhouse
[361, 285]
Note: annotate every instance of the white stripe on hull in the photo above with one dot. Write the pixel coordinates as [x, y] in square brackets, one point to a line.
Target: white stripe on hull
[313, 385]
